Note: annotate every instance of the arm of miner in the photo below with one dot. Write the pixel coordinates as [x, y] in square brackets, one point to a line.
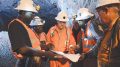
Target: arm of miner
[49, 44]
[46, 47]
[21, 44]
[43, 46]
[29, 51]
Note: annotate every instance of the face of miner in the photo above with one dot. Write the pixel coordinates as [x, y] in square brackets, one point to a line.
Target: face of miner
[61, 24]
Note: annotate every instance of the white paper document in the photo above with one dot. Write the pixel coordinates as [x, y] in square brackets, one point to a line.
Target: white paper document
[72, 57]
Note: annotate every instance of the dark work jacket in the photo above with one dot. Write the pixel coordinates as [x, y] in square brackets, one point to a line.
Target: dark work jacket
[109, 52]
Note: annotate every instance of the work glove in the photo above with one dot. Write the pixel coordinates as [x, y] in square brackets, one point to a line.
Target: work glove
[17, 56]
[72, 49]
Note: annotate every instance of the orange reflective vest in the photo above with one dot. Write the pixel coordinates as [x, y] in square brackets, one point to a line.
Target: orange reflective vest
[32, 35]
[87, 40]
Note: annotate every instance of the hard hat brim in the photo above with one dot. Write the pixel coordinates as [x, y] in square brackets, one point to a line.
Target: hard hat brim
[34, 24]
[83, 18]
[61, 19]
[26, 10]
[107, 4]
[79, 18]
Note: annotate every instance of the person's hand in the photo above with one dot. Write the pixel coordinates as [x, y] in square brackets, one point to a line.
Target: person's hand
[43, 47]
[72, 49]
[17, 56]
[82, 56]
[50, 46]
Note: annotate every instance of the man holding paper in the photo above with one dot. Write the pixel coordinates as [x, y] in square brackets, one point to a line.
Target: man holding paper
[62, 40]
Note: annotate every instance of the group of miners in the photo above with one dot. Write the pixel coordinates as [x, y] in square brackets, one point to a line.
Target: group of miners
[97, 40]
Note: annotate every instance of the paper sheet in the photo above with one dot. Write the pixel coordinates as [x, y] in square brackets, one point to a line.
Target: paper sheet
[72, 57]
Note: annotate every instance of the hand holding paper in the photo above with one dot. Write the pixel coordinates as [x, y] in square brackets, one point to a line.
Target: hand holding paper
[72, 57]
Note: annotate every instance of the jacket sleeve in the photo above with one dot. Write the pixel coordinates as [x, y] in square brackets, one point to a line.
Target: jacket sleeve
[48, 36]
[29, 51]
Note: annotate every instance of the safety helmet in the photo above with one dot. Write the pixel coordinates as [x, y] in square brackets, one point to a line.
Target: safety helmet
[83, 13]
[62, 16]
[107, 2]
[26, 5]
[36, 21]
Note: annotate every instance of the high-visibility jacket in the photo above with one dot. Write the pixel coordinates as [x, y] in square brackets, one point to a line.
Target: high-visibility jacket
[87, 39]
[109, 51]
[34, 39]
[61, 41]
[35, 42]
[32, 35]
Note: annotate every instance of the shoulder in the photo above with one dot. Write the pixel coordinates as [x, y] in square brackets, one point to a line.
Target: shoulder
[15, 24]
[53, 28]
[17, 28]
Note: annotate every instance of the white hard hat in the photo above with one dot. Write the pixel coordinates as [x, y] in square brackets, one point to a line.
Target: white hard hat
[36, 21]
[83, 13]
[62, 16]
[107, 2]
[27, 5]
